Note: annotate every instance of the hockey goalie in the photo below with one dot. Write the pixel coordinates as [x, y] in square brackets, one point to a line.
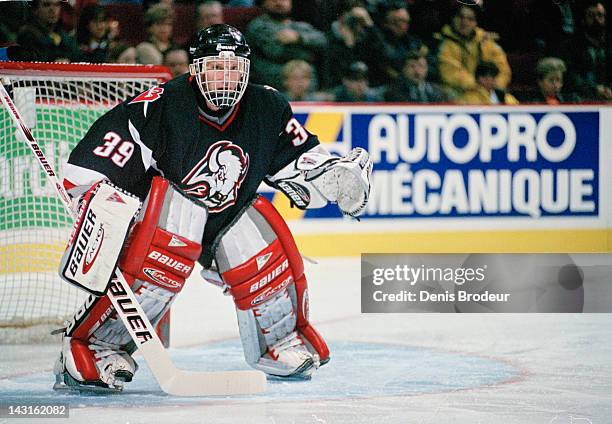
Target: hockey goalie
[179, 165]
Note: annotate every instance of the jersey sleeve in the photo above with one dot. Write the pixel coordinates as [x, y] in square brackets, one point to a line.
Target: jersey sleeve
[121, 146]
[293, 140]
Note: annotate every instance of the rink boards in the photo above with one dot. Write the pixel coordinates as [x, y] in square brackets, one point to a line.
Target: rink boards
[446, 179]
[466, 179]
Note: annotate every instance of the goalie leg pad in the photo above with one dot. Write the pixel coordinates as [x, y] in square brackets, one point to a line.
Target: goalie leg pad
[165, 243]
[159, 256]
[280, 227]
[259, 262]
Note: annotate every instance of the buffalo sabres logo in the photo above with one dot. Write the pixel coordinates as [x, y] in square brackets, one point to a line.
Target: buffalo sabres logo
[218, 176]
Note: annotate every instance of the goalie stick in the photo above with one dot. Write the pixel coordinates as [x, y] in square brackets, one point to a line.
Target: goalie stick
[171, 379]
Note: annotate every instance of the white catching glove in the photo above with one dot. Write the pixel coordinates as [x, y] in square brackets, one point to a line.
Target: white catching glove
[347, 182]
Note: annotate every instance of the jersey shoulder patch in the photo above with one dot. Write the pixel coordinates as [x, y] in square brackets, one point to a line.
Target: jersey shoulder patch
[150, 95]
[143, 107]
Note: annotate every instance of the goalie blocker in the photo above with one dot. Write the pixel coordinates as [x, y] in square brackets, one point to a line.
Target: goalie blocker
[159, 256]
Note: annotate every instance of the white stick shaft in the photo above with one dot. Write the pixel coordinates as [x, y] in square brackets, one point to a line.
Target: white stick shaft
[171, 379]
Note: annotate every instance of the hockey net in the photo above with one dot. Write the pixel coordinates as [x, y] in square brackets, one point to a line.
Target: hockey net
[59, 102]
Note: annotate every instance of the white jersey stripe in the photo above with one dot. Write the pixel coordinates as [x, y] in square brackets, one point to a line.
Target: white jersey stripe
[145, 153]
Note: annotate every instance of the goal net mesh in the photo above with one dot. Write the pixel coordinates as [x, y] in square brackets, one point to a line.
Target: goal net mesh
[59, 108]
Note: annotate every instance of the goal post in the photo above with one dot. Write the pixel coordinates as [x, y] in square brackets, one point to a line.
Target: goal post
[58, 102]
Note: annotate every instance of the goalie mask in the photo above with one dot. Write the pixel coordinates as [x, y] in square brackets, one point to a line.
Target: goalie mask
[220, 64]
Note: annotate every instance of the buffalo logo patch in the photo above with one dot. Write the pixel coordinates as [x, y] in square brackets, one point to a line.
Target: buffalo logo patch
[217, 177]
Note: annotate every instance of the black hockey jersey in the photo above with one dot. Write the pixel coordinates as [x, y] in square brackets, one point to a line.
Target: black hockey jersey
[220, 162]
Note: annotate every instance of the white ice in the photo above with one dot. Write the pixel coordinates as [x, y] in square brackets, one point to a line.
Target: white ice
[385, 368]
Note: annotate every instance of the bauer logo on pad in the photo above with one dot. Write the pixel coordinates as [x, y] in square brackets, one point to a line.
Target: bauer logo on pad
[161, 278]
[92, 252]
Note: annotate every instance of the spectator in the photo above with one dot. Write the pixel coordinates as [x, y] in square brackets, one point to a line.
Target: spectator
[397, 42]
[42, 34]
[486, 92]
[462, 46]
[412, 86]
[208, 13]
[93, 33]
[159, 20]
[353, 37]
[297, 81]
[122, 53]
[275, 39]
[589, 58]
[355, 87]
[549, 75]
[177, 60]
[148, 54]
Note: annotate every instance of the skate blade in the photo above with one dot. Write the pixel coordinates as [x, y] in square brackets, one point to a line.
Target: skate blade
[80, 388]
[303, 373]
[293, 377]
[85, 390]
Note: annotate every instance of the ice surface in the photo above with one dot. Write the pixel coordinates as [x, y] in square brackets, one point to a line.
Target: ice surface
[385, 368]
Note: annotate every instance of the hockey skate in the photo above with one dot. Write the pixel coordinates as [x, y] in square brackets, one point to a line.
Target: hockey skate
[92, 369]
[289, 359]
[288, 355]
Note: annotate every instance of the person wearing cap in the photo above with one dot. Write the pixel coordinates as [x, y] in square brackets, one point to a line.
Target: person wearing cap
[355, 86]
[412, 85]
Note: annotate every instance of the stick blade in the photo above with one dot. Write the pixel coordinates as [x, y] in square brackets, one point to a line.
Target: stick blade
[225, 383]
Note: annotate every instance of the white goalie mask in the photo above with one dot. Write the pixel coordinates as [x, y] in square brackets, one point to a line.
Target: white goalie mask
[220, 64]
[222, 79]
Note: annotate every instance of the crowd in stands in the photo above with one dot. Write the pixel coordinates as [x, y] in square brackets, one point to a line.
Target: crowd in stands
[418, 51]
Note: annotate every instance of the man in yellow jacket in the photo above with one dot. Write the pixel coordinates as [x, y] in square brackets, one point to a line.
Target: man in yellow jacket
[486, 92]
[463, 45]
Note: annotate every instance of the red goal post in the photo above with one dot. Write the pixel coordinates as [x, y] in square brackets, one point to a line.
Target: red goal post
[59, 102]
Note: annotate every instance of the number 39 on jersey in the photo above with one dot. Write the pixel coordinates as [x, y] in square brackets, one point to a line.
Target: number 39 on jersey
[116, 149]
